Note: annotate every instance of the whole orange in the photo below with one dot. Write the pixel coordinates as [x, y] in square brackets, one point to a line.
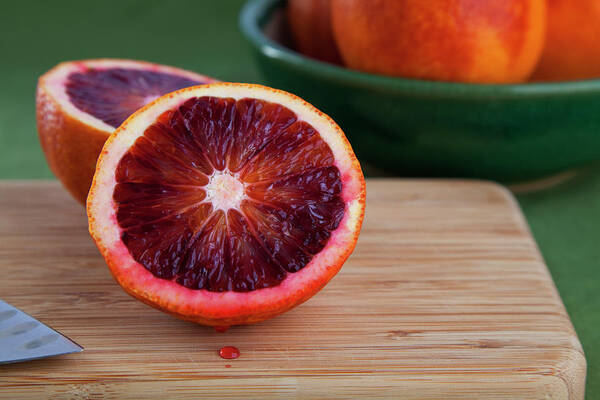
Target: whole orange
[572, 48]
[310, 26]
[494, 41]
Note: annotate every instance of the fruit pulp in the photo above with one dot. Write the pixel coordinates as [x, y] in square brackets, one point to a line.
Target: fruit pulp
[113, 94]
[227, 195]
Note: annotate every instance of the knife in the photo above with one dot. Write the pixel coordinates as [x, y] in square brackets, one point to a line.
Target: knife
[23, 338]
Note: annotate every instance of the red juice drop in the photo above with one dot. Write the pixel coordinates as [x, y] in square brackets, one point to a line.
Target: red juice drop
[229, 352]
[221, 329]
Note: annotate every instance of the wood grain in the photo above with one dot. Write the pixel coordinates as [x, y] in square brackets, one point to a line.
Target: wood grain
[446, 296]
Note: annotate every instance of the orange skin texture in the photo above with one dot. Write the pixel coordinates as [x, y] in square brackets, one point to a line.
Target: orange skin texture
[243, 314]
[310, 26]
[572, 48]
[70, 145]
[479, 41]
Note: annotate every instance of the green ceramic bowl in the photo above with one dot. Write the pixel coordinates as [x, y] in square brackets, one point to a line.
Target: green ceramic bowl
[415, 127]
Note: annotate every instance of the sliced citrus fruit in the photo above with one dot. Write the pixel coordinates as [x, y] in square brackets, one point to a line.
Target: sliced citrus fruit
[226, 203]
[80, 103]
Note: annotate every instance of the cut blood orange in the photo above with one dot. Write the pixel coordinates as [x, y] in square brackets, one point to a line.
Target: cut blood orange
[226, 203]
[80, 103]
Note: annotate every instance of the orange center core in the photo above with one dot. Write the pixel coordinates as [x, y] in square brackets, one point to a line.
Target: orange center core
[225, 190]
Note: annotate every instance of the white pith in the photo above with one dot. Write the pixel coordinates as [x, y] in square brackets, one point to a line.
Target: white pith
[225, 190]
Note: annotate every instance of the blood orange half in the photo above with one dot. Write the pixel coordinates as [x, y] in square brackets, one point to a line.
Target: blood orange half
[226, 203]
[80, 103]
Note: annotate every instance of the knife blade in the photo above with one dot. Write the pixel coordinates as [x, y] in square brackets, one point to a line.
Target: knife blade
[24, 338]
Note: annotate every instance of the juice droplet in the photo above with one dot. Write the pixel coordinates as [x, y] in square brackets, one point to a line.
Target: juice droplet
[229, 352]
[227, 365]
[221, 329]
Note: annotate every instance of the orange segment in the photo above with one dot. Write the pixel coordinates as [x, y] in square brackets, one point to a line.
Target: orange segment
[299, 149]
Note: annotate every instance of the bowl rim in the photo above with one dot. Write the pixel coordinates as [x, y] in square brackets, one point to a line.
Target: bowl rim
[255, 12]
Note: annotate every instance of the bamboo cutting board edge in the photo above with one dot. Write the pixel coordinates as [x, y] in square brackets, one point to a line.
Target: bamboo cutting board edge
[416, 245]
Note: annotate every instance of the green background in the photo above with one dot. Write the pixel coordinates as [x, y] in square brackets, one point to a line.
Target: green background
[202, 35]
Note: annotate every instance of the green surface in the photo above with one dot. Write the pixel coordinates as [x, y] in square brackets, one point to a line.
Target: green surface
[203, 36]
[564, 220]
[502, 132]
[200, 35]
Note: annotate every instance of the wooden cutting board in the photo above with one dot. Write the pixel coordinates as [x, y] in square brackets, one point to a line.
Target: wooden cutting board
[446, 296]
